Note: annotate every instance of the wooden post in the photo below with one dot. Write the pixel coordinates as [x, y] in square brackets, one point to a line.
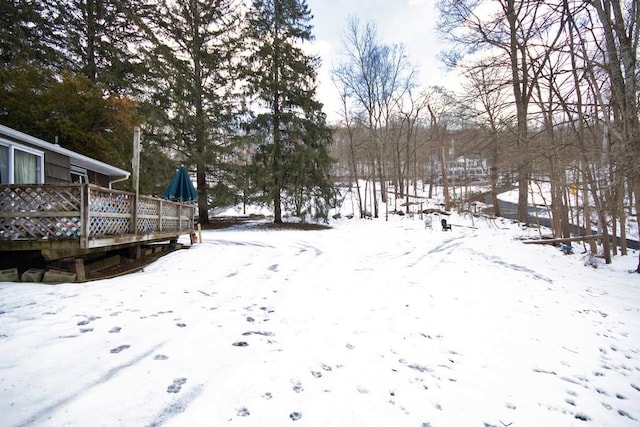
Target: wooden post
[84, 216]
[136, 160]
[135, 252]
[135, 166]
[78, 267]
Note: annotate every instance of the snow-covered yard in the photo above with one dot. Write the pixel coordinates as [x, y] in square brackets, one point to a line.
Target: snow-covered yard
[370, 323]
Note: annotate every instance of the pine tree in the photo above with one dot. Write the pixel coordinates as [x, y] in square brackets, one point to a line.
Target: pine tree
[104, 41]
[73, 69]
[27, 33]
[292, 156]
[194, 104]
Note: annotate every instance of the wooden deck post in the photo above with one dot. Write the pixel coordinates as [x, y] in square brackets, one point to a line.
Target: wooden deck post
[78, 268]
[136, 179]
[84, 216]
[133, 227]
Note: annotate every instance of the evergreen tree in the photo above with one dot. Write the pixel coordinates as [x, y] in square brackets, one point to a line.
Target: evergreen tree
[27, 33]
[292, 156]
[105, 41]
[193, 102]
[72, 109]
[66, 66]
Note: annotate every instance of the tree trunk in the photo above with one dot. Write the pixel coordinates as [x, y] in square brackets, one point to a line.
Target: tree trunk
[587, 215]
[91, 17]
[445, 179]
[600, 211]
[635, 183]
[354, 171]
[623, 219]
[277, 173]
[201, 182]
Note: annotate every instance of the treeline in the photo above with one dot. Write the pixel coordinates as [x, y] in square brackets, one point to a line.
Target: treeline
[222, 87]
[551, 93]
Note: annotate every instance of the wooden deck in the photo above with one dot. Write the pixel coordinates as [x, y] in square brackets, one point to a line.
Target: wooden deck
[80, 218]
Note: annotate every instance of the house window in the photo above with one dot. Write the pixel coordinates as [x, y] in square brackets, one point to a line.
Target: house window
[78, 175]
[20, 165]
[4, 164]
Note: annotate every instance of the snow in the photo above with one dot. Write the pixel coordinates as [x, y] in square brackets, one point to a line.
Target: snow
[369, 323]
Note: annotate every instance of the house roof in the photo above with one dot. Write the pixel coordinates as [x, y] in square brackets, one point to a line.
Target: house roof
[114, 173]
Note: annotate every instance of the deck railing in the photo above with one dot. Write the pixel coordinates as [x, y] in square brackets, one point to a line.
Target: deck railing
[86, 212]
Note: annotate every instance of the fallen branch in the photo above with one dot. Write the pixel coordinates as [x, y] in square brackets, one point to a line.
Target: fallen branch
[564, 239]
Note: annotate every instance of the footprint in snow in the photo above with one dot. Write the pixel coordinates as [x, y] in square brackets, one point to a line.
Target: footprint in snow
[243, 412]
[295, 416]
[177, 385]
[115, 330]
[119, 349]
[240, 344]
[160, 357]
[87, 320]
[263, 333]
[625, 414]
[181, 325]
[297, 387]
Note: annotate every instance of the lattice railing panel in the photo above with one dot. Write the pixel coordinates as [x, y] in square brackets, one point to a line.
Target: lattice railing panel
[148, 225]
[21, 228]
[32, 198]
[109, 212]
[148, 206]
[109, 201]
[38, 212]
[31, 212]
[170, 209]
[99, 226]
[170, 224]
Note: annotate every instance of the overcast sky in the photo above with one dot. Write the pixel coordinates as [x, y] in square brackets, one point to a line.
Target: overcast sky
[408, 22]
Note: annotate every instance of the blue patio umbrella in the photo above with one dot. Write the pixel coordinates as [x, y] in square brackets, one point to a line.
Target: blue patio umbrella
[180, 188]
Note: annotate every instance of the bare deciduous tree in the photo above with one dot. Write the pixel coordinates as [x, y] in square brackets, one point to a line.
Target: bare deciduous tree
[374, 76]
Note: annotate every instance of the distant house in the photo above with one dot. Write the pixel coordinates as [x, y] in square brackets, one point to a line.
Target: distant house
[25, 159]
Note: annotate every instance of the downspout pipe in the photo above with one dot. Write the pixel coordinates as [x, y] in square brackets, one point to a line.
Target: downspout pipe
[118, 180]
